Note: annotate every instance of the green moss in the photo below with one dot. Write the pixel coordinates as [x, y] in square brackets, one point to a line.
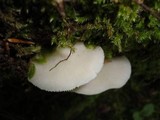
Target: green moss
[116, 26]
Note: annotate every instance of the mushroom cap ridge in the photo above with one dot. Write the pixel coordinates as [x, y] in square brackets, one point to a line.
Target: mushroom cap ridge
[114, 74]
[80, 68]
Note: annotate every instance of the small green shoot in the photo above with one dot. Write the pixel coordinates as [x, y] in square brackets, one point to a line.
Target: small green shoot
[147, 111]
[31, 70]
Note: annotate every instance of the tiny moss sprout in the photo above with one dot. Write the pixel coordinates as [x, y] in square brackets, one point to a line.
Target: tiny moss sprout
[31, 70]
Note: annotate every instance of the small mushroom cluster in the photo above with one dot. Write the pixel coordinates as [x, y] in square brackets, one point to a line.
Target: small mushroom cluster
[85, 71]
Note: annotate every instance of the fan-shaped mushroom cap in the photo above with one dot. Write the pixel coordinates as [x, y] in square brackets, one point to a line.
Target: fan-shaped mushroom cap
[81, 67]
[114, 74]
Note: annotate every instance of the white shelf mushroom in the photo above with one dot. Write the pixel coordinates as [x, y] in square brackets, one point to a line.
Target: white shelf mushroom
[81, 67]
[114, 74]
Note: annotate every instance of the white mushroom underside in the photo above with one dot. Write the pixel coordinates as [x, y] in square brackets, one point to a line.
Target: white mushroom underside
[81, 67]
[114, 74]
